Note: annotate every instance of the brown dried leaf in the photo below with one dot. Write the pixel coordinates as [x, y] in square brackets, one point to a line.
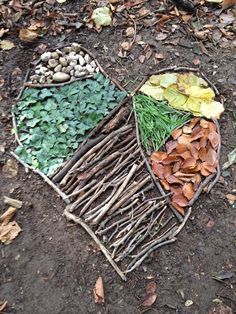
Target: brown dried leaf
[3, 305]
[203, 142]
[151, 287]
[9, 232]
[170, 146]
[204, 123]
[7, 216]
[231, 198]
[179, 208]
[197, 133]
[188, 190]
[211, 156]
[177, 166]
[214, 139]
[161, 36]
[186, 155]
[176, 133]
[141, 58]
[208, 167]
[180, 200]
[151, 295]
[126, 45]
[193, 122]
[193, 150]
[184, 139]
[187, 129]
[10, 169]
[158, 169]
[196, 181]
[98, 291]
[189, 163]
[211, 126]
[158, 156]
[165, 184]
[177, 190]
[159, 56]
[27, 35]
[173, 180]
[181, 148]
[170, 159]
[202, 153]
[167, 171]
[129, 32]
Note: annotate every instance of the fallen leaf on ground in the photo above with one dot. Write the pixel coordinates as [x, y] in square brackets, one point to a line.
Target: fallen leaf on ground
[8, 230]
[231, 160]
[7, 216]
[6, 45]
[98, 291]
[231, 198]
[151, 295]
[221, 309]
[102, 17]
[10, 169]
[27, 35]
[130, 32]
[12, 202]
[3, 305]
[223, 275]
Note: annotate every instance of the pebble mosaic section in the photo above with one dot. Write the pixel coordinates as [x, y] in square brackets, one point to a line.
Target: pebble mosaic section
[63, 65]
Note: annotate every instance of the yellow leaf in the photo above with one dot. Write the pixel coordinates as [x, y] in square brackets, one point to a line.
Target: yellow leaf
[175, 98]
[6, 45]
[189, 79]
[151, 90]
[212, 109]
[164, 80]
[206, 94]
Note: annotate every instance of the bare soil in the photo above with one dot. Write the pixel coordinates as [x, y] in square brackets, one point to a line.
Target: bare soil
[50, 268]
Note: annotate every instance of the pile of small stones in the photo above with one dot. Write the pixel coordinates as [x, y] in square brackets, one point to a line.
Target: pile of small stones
[62, 65]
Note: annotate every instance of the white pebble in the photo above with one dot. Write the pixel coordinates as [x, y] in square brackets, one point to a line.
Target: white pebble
[46, 56]
[81, 53]
[59, 52]
[79, 74]
[42, 80]
[60, 77]
[58, 68]
[55, 55]
[67, 49]
[63, 61]
[93, 64]
[89, 68]
[72, 72]
[81, 60]
[97, 69]
[78, 67]
[73, 63]
[52, 63]
[87, 58]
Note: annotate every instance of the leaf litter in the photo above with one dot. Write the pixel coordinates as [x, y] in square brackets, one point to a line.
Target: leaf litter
[9, 230]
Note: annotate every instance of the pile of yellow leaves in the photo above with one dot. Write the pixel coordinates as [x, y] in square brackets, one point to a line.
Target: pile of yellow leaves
[185, 92]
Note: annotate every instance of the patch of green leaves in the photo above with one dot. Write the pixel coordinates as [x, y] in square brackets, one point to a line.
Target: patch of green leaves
[52, 122]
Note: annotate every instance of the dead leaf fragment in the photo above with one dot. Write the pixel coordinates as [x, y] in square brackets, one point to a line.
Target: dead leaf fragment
[231, 198]
[129, 32]
[3, 305]
[7, 216]
[9, 232]
[27, 35]
[98, 291]
[6, 45]
[151, 295]
[10, 169]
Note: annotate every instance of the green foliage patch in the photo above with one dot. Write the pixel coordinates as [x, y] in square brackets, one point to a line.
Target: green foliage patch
[52, 122]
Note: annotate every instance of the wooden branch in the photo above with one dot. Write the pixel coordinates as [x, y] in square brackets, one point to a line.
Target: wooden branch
[80, 222]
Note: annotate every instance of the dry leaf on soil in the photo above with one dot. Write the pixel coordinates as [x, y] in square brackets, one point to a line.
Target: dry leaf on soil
[27, 35]
[6, 44]
[10, 169]
[3, 305]
[151, 295]
[8, 230]
[98, 291]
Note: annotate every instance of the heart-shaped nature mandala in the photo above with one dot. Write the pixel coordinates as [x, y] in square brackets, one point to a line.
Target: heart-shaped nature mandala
[129, 167]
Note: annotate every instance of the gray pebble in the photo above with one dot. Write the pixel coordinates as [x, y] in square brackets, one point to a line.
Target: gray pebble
[68, 69]
[89, 68]
[81, 53]
[70, 57]
[79, 74]
[63, 61]
[37, 71]
[67, 49]
[72, 72]
[78, 67]
[93, 64]
[81, 60]
[35, 77]
[52, 63]
[87, 58]
[58, 68]
[75, 47]
[60, 77]
[55, 55]
[49, 80]
[59, 52]
[73, 63]
[46, 56]
[63, 69]
[42, 69]
[42, 80]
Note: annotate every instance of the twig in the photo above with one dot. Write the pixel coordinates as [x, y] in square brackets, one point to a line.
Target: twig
[17, 139]
[75, 193]
[139, 262]
[49, 182]
[115, 198]
[79, 221]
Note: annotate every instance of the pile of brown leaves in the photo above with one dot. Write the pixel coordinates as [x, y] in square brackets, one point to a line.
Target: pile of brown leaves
[190, 156]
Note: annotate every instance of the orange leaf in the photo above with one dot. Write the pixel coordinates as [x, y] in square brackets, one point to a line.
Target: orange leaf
[179, 208]
[177, 166]
[197, 133]
[202, 153]
[176, 189]
[188, 190]
[172, 180]
[193, 150]
[170, 146]
[212, 126]
[167, 171]
[180, 200]
[193, 122]
[176, 133]
[98, 291]
[196, 181]
[203, 142]
[211, 156]
[204, 123]
[214, 139]
[187, 129]
[151, 287]
[181, 148]
[208, 167]
[165, 184]
[186, 155]
[158, 156]
[170, 159]
[184, 139]
[158, 169]
[189, 163]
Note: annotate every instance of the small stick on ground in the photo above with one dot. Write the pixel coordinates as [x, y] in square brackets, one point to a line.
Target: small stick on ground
[80, 222]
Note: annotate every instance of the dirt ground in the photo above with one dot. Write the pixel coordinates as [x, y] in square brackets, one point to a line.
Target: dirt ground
[49, 267]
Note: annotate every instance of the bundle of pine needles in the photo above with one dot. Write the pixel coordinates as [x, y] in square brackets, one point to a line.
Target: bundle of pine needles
[157, 121]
